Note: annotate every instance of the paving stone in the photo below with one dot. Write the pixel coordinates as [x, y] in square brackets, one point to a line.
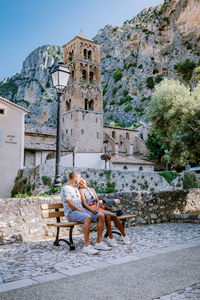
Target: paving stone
[48, 277]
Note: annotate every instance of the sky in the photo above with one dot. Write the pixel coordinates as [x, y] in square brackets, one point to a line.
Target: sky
[28, 24]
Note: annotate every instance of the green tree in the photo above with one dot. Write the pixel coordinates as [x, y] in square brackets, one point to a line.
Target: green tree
[175, 115]
[117, 75]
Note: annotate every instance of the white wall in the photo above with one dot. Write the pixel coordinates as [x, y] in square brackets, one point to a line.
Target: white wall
[11, 147]
[82, 160]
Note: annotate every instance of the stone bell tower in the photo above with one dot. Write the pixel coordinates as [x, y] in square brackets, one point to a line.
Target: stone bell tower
[82, 105]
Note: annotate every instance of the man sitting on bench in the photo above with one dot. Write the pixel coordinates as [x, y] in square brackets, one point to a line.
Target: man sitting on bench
[75, 212]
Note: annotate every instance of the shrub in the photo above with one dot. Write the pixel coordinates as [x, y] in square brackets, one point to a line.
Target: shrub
[128, 108]
[190, 181]
[112, 102]
[140, 66]
[105, 88]
[186, 69]
[46, 180]
[114, 91]
[104, 103]
[125, 93]
[169, 176]
[150, 83]
[117, 75]
[158, 78]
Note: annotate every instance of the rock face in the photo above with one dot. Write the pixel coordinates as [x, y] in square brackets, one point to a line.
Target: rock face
[143, 51]
[32, 88]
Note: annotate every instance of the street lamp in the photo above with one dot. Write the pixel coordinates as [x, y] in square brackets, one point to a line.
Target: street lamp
[60, 76]
[105, 143]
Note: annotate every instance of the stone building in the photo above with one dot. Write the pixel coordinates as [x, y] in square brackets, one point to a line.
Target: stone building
[83, 131]
[11, 143]
[82, 114]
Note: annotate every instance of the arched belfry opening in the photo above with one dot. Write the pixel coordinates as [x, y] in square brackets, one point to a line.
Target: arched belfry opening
[91, 105]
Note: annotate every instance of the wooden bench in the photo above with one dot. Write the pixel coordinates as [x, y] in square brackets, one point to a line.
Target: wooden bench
[58, 212]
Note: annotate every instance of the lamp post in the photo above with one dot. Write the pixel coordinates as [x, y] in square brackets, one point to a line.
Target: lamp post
[105, 143]
[60, 76]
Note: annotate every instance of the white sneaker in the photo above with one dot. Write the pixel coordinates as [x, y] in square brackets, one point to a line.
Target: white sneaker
[125, 240]
[90, 250]
[111, 242]
[102, 246]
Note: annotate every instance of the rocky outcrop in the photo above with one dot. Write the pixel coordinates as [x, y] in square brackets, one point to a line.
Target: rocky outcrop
[143, 51]
[32, 87]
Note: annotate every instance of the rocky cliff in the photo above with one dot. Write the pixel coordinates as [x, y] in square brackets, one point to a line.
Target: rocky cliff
[134, 57]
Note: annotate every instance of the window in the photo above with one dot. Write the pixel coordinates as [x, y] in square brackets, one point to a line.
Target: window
[63, 120]
[70, 56]
[62, 136]
[68, 105]
[140, 169]
[71, 131]
[113, 134]
[85, 53]
[125, 167]
[89, 55]
[82, 131]
[86, 104]
[1, 111]
[127, 136]
[97, 135]
[91, 76]
[91, 105]
[72, 75]
[66, 131]
[84, 75]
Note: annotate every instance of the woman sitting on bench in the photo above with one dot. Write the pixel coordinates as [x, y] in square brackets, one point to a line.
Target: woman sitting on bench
[90, 201]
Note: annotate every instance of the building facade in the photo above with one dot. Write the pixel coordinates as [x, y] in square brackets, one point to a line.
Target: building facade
[11, 144]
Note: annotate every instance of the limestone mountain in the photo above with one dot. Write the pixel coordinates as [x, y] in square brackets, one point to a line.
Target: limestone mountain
[163, 41]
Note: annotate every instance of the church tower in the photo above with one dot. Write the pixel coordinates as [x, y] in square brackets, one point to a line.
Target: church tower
[82, 105]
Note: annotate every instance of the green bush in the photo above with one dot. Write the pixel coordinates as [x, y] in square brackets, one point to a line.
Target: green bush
[117, 75]
[190, 181]
[150, 83]
[140, 66]
[125, 93]
[46, 180]
[105, 88]
[114, 91]
[186, 69]
[169, 176]
[158, 79]
[145, 99]
[128, 108]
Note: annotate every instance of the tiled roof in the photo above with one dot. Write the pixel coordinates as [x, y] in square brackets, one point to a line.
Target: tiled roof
[83, 36]
[32, 145]
[134, 160]
[13, 104]
[40, 130]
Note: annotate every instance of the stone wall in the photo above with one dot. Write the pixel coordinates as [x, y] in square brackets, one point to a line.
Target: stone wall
[20, 218]
[121, 180]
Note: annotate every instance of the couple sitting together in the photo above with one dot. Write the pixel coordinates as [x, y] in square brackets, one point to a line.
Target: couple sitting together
[82, 205]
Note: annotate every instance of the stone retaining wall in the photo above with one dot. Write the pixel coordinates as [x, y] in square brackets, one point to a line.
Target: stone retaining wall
[20, 218]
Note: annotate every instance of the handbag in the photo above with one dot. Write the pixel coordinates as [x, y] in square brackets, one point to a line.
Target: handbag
[111, 205]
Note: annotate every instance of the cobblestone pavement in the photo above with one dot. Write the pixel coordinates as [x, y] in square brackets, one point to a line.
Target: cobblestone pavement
[26, 260]
[192, 292]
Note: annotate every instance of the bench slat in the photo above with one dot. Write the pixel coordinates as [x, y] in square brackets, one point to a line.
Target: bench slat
[55, 214]
[51, 206]
[68, 224]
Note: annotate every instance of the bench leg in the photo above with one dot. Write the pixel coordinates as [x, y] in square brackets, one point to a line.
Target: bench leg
[114, 231]
[70, 242]
[56, 243]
